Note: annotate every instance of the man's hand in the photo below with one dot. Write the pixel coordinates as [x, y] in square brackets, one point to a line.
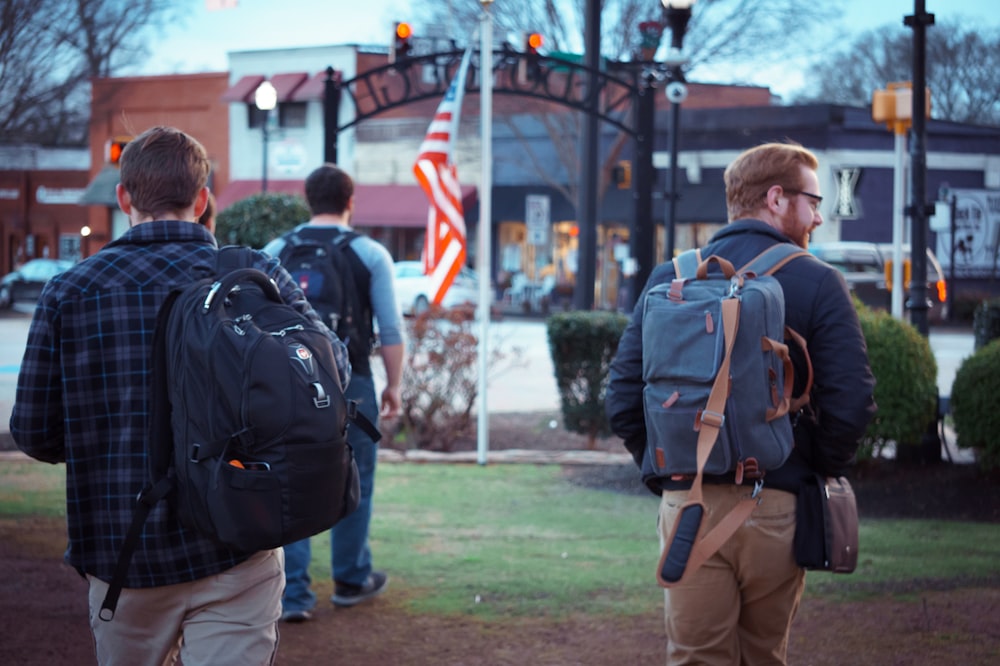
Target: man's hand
[392, 402]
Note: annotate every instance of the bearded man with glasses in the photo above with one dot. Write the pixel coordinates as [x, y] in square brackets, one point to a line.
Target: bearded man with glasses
[738, 606]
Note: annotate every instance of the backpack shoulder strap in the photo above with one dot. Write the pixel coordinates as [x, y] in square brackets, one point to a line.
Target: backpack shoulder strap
[686, 263]
[344, 237]
[231, 257]
[773, 258]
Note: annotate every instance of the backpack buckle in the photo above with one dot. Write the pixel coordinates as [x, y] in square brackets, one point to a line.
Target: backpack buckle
[710, 418]
[321, 399]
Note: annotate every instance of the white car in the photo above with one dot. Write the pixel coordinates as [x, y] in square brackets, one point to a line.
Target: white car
[413, 288]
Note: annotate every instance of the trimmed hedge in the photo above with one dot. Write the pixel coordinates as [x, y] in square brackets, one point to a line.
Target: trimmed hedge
[975, 404]
[906, 382]
[260, 218]
[986, 322]
[582, 345]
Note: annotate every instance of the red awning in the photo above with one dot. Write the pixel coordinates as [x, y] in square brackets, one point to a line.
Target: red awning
[396, 205]
[286, 84]
[374, 205]
[312, 89]
[243, 90]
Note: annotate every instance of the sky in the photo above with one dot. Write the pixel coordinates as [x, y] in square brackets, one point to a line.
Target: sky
[200, 41]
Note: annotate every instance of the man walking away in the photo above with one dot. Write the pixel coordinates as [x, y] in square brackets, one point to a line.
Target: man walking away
[83, 399]
[737, 608]
[330, 195]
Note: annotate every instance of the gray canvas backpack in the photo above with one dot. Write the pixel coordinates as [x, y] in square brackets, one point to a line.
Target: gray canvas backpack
[718, 387]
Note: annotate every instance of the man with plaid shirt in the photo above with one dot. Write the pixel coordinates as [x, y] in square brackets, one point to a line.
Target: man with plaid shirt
[83, 399]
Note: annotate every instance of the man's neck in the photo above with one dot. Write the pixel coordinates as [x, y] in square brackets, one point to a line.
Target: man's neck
[329, 218]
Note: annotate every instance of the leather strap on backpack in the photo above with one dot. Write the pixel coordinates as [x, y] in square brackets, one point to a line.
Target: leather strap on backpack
[684, 552]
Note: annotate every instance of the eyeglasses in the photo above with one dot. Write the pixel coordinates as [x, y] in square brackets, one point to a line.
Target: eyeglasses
[816, 199]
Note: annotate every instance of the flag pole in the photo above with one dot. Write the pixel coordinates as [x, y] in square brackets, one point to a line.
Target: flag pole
[485, 221]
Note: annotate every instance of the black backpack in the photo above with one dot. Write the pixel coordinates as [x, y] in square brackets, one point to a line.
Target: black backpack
[336, 284]
[248, 420]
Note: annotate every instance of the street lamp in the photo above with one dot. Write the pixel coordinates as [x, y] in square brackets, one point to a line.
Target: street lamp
[678, 14]
[266, 98]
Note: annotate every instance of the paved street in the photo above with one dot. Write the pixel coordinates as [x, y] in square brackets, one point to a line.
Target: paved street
[527, 387]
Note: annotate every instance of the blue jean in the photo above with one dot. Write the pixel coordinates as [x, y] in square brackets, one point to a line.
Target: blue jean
[351, 558]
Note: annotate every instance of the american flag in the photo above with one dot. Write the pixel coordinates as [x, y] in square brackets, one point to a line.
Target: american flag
[444, 248]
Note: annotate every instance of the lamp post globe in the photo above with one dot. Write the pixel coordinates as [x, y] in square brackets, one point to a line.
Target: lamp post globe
[678, 14]
[265, 98]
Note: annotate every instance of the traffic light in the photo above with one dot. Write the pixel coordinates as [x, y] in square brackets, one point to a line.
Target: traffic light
[113, 149]
[529, 68]
[401, 46]
[622, 175]
[532, 42]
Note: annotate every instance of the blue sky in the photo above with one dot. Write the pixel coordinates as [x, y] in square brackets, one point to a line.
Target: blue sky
[200, 42]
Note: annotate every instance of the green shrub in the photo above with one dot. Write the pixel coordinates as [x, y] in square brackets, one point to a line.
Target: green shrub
[582, 345]
[986, 322]
[975, 404]
[906, 382]
[259, 218]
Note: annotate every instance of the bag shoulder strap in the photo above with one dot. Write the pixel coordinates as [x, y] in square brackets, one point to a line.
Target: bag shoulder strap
[231, 257]
[772, 259]
[686, 263]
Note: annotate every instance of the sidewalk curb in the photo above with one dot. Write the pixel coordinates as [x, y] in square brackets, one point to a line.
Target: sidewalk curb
[508, 456]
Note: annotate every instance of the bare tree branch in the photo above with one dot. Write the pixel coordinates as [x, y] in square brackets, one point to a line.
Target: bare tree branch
[962, 65]
[49, 51]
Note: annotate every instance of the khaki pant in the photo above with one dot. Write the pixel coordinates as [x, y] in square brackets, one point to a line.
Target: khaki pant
[738, 607]
[228, 618]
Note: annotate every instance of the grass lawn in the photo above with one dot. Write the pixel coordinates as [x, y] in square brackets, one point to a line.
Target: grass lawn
[519, 540]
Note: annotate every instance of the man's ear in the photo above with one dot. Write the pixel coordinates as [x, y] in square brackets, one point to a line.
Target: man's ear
[773, 198]
[200, 203]
[124, 199]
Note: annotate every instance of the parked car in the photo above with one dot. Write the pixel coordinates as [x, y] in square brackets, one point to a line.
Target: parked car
[25, 284]
[413, 288]
[864, 267]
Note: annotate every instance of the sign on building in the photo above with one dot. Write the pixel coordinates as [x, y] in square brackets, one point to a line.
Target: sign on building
[537, 218]
[977, 231]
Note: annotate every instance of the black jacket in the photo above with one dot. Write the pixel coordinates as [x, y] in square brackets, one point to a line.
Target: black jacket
[818, 306]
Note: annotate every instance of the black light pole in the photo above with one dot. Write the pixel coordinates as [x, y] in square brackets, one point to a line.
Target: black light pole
[643, 239]
[331, 111]
[265, 98]
[586, 275]
[678, 15]
[918, 169]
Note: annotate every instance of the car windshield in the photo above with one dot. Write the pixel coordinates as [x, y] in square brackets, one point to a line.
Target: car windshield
[41, 270]
[849, 260]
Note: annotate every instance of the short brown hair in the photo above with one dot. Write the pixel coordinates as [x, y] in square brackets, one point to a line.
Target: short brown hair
[163, 169]
[329, 190]
[756, 170]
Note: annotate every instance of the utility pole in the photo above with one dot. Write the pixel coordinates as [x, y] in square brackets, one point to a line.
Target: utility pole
[918, 209]
[586, 273]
